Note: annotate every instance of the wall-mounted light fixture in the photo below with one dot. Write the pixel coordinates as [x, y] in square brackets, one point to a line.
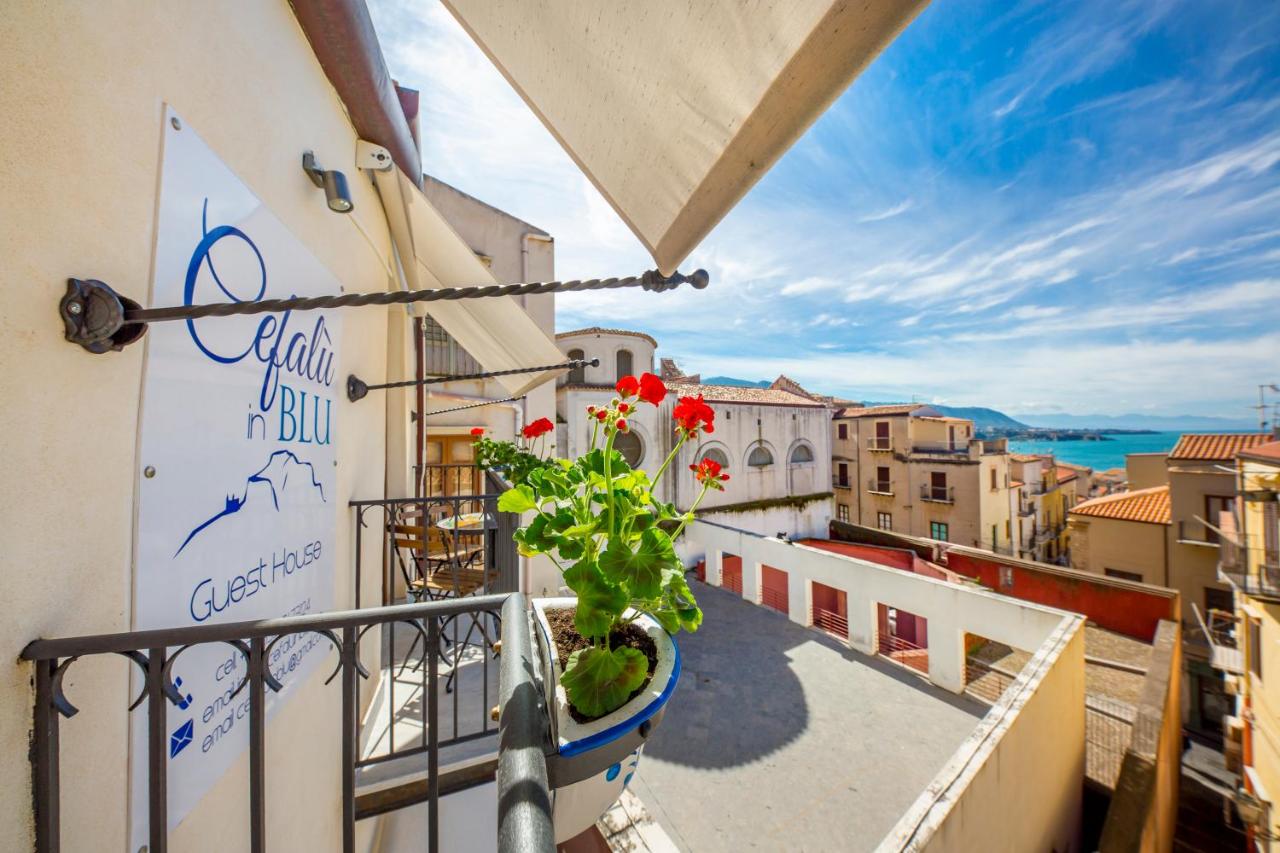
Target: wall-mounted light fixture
[333, 182]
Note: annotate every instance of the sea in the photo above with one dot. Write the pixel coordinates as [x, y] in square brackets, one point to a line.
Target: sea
[1101, 455]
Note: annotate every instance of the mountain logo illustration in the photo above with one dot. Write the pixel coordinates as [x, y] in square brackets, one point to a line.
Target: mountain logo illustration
[275, 475]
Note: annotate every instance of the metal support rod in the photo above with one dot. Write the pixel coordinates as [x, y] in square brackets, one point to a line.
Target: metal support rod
[348, 663]
[44, 760]
[99, 319]
[357, 388]
[474, 406]
[524, 799]
[433, 733]
[257, 745]
[157, 753]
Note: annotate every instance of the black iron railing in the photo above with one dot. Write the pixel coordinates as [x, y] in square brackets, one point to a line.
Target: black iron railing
[155, 651]
[437, 548]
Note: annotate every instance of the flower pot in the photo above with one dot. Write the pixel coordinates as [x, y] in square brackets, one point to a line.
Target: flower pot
[591, 763]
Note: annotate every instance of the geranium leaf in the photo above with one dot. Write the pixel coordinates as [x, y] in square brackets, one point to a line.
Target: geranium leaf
[599, 601]
[518, 500]
[599, 681]
[640, 570]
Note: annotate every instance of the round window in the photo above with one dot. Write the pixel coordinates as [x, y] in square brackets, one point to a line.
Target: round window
[716, 455]
[630, 446]
[801, 454]
[760, 457]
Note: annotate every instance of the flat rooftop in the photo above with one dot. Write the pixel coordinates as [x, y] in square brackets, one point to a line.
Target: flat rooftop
[779, 737]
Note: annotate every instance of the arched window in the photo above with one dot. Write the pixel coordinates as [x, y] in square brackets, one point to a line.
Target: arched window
[577, 375]
[630, 446]
[624, 364]
[801, 455]
[716, 455]
[760, 457]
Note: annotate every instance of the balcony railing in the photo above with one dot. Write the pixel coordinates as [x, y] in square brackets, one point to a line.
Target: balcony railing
[880, 445]
[523, 805]
[880, 487]
[938, 494]
[839, 482]
[1196, 532]
[1260, 581]
[945, 448]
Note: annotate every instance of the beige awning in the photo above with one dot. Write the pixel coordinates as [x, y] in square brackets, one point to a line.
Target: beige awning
[675, 109]
[495, 331]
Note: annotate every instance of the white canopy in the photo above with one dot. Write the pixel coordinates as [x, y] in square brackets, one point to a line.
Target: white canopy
[495, 331]
[675, 109]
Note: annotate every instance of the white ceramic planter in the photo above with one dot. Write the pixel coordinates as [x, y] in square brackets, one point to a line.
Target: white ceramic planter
[594, 761]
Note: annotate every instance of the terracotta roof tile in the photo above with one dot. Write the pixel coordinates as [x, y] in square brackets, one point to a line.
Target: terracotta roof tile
[879, 411]
[1146, 505]
[1065, 474]
[1269, 451]
[598, 330]
[1219, 446]
[1025, 457]
[738, 394]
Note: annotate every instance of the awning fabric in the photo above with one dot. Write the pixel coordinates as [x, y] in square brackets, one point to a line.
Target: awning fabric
[496, 331]
[675, 109]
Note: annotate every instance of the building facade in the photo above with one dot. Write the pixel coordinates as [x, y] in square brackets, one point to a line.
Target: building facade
[773, 443]
[910, 469]
[1250, 563]
[1163, 534]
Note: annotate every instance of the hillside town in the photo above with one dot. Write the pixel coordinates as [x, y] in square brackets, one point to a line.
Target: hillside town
[334, 521]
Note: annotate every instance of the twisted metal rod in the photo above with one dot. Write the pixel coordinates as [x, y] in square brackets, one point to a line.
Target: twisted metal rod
[473, 406]
[651, 280]
[357, 388]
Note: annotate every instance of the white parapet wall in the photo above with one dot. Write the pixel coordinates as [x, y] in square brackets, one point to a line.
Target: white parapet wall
[1016, 782]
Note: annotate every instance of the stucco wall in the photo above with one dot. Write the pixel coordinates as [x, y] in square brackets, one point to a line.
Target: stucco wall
[83, 98]
[1016, 783]
[1098, 544]
[1146, 470]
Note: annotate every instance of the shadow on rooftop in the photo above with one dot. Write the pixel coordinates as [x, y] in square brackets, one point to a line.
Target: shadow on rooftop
[740, 698]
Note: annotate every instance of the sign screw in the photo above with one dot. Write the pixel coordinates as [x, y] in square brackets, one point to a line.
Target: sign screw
[149, 471]
[74, 308]
[177, 125]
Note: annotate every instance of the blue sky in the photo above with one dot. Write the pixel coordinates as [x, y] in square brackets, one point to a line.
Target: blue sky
[1037, 206]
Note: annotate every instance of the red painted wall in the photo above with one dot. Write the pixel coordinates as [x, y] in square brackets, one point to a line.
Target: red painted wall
[773, 589]
[1131, 612]
[892, 557]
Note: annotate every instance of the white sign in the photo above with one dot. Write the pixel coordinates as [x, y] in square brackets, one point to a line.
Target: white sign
[236, 490]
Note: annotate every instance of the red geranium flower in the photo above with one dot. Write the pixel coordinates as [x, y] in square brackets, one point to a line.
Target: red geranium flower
[709, 470]
[622, 425]
[692, 415]
[623, 408]
[541, 426]
[651, 389]
[628, 386]
[477, 431]
[601, 415]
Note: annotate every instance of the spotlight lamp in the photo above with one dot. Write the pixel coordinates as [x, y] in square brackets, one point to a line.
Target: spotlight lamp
[333, 182]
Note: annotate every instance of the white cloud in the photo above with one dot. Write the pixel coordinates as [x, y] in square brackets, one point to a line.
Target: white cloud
[889, 212]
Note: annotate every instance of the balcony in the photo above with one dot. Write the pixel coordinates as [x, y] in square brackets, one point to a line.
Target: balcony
[838, 482]
[880, 487]
[423, 670]
[880, 445]
[1262, 580]
[938, 494]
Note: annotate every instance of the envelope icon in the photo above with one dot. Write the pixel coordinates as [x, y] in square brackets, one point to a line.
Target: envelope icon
[181, 737]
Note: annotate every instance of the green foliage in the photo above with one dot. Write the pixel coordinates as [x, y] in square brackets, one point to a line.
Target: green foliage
[598, 520]
[599, 680]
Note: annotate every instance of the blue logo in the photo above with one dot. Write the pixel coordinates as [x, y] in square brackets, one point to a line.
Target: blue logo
[186, 699]
[182, 737]
[275, 475]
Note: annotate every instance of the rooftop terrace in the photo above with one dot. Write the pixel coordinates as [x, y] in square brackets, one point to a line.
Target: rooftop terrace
[778, 733]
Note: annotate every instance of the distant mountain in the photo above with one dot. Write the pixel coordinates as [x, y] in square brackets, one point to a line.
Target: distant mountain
[1159, 423]
[983, 418]
[737, 383]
